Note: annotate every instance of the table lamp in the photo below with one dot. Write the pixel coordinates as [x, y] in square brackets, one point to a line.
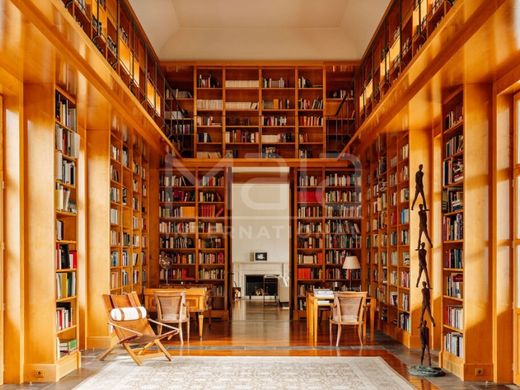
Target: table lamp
[351, 263]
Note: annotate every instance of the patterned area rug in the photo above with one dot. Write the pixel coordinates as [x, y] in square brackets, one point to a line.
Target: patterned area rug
[247, 372]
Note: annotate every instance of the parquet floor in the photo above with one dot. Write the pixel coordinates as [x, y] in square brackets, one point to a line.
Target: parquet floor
[258, 330]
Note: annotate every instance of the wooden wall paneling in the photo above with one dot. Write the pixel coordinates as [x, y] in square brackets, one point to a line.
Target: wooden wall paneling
[98, 277]
[14, 220]
[503, 209]
[153, 220]
[2, 249]
[436, 255]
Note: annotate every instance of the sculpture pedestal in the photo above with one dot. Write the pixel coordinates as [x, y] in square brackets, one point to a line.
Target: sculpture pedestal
[425, 371]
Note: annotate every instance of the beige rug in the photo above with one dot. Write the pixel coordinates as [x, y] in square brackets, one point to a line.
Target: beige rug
[248, 372]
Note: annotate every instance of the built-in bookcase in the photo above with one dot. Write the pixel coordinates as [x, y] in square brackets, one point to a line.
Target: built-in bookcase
[327, 220]
[386, 243]
[67, 147]
[128, 212]
[193, 215]
[260, 111]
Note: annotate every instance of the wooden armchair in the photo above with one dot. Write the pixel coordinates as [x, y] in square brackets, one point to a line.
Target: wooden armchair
[133, 329]
[172, 309]
[349, 310]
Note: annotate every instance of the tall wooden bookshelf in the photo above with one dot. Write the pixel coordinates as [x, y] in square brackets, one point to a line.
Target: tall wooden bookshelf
[466, 344]
[193, 225]
[327, 210]
[386, 249]
[260, 111]
[66, 175]
[54, 251]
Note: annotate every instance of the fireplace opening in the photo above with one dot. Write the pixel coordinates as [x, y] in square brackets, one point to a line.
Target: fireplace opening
[261, 285]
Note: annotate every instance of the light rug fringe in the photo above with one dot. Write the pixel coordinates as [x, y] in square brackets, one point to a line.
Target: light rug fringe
[248, 372]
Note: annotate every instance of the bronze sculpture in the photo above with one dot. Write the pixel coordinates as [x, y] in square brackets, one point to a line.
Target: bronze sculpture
[423, 225]
[419, 186]
[426, 303]
[423, 265]
[425, 342]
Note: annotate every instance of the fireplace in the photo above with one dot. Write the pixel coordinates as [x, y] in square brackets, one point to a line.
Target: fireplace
[261, 285]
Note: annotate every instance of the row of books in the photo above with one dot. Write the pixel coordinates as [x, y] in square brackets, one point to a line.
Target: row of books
[336, 256]
[60, 229]
[310, 120]
[115, 194]
[65, 169]
[453, 316]
[452, 200]
[453, 284]
[241, 136]
[180, 129]
[304, 82]
[241, 83]
[241, 106]
[208, 120]
[65, 347]
[338, 273]
[205, 154]
[210, 196]
[67, 141]
[175, 181]
[268, 82]
[342, 210]
[65, 284]
[344, 227]
[308, 181]
[203, 137]
[176, 274]
[309, 211]
[65, 112]
[404, 216]
[177, 227]
[452, 171]
[177, 212]
[274, 120]
[182, 258]
[114, 216]
[209, 104]
[66, 258]
[277, 138]
[63, 199]
[343, 241]
[64, 315]
[211, 274]
[309, 227]
[453, 228]
[453, 258]
[114, 259]
[454, 343]
[307, 104]
[310, 258]
[309, 273]
[453, 117]
[171, 195]
[404, 321]
[404, 279]
[454, 145]
[343, 196]
[210, 211]
[211, 242]
[343, 180]
[310, 242]
[405, 302]
[211, 258]
[176, 242]
[276, 104]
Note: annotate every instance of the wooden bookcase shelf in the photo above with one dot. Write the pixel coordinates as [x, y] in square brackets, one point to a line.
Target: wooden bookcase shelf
[466, 343]
[128, 212]
[327, 212]
[193, 226]
[406, 26]
[260, 111]
[387, 269]
[112, 27]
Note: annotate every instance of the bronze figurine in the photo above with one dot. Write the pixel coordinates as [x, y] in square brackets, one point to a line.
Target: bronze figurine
[419, 187]
[423, 265]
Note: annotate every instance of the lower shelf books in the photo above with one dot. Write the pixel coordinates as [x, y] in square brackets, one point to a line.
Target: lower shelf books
[65, 346]
[453, 343]
[65, 284]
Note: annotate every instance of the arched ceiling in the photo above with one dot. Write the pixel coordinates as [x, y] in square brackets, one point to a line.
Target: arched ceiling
[259, 29]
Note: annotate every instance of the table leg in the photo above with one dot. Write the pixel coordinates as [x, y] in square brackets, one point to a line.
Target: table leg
[201, 324]
[372, 318]
[315, 321]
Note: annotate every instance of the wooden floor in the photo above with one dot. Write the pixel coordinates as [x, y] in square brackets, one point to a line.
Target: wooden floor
[258, 330]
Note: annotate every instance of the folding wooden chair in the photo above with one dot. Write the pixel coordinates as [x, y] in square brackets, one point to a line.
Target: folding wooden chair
[132, 328]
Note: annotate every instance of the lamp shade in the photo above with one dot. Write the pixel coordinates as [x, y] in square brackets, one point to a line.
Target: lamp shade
[351, 262]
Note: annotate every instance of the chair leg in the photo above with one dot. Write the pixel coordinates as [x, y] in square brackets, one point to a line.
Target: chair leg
[132, 354]
[339, 335]
[180, 333]
[159, 329]
[360, 334]
[107, 352]
[164, 350]
[188, 330]
[330, 332]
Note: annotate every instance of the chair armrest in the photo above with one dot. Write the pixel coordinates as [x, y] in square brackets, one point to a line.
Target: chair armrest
[163, 324]
[135, 333]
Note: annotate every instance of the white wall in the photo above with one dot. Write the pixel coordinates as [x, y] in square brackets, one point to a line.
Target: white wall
[260, 221]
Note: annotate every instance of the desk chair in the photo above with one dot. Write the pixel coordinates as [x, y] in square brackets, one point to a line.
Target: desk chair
[172, 309]
[348, 309]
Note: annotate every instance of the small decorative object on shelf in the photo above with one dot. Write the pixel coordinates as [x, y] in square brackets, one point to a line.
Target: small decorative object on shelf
[165, 262]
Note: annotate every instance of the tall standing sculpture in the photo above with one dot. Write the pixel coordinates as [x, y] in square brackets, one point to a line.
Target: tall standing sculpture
[419, 187]
[423, 265]
[426, 303]
[423, 225]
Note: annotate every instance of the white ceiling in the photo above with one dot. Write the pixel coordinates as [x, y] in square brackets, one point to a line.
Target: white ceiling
[259, 29]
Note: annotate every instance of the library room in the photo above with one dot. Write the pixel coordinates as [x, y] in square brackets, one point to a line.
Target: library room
[259, 194]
